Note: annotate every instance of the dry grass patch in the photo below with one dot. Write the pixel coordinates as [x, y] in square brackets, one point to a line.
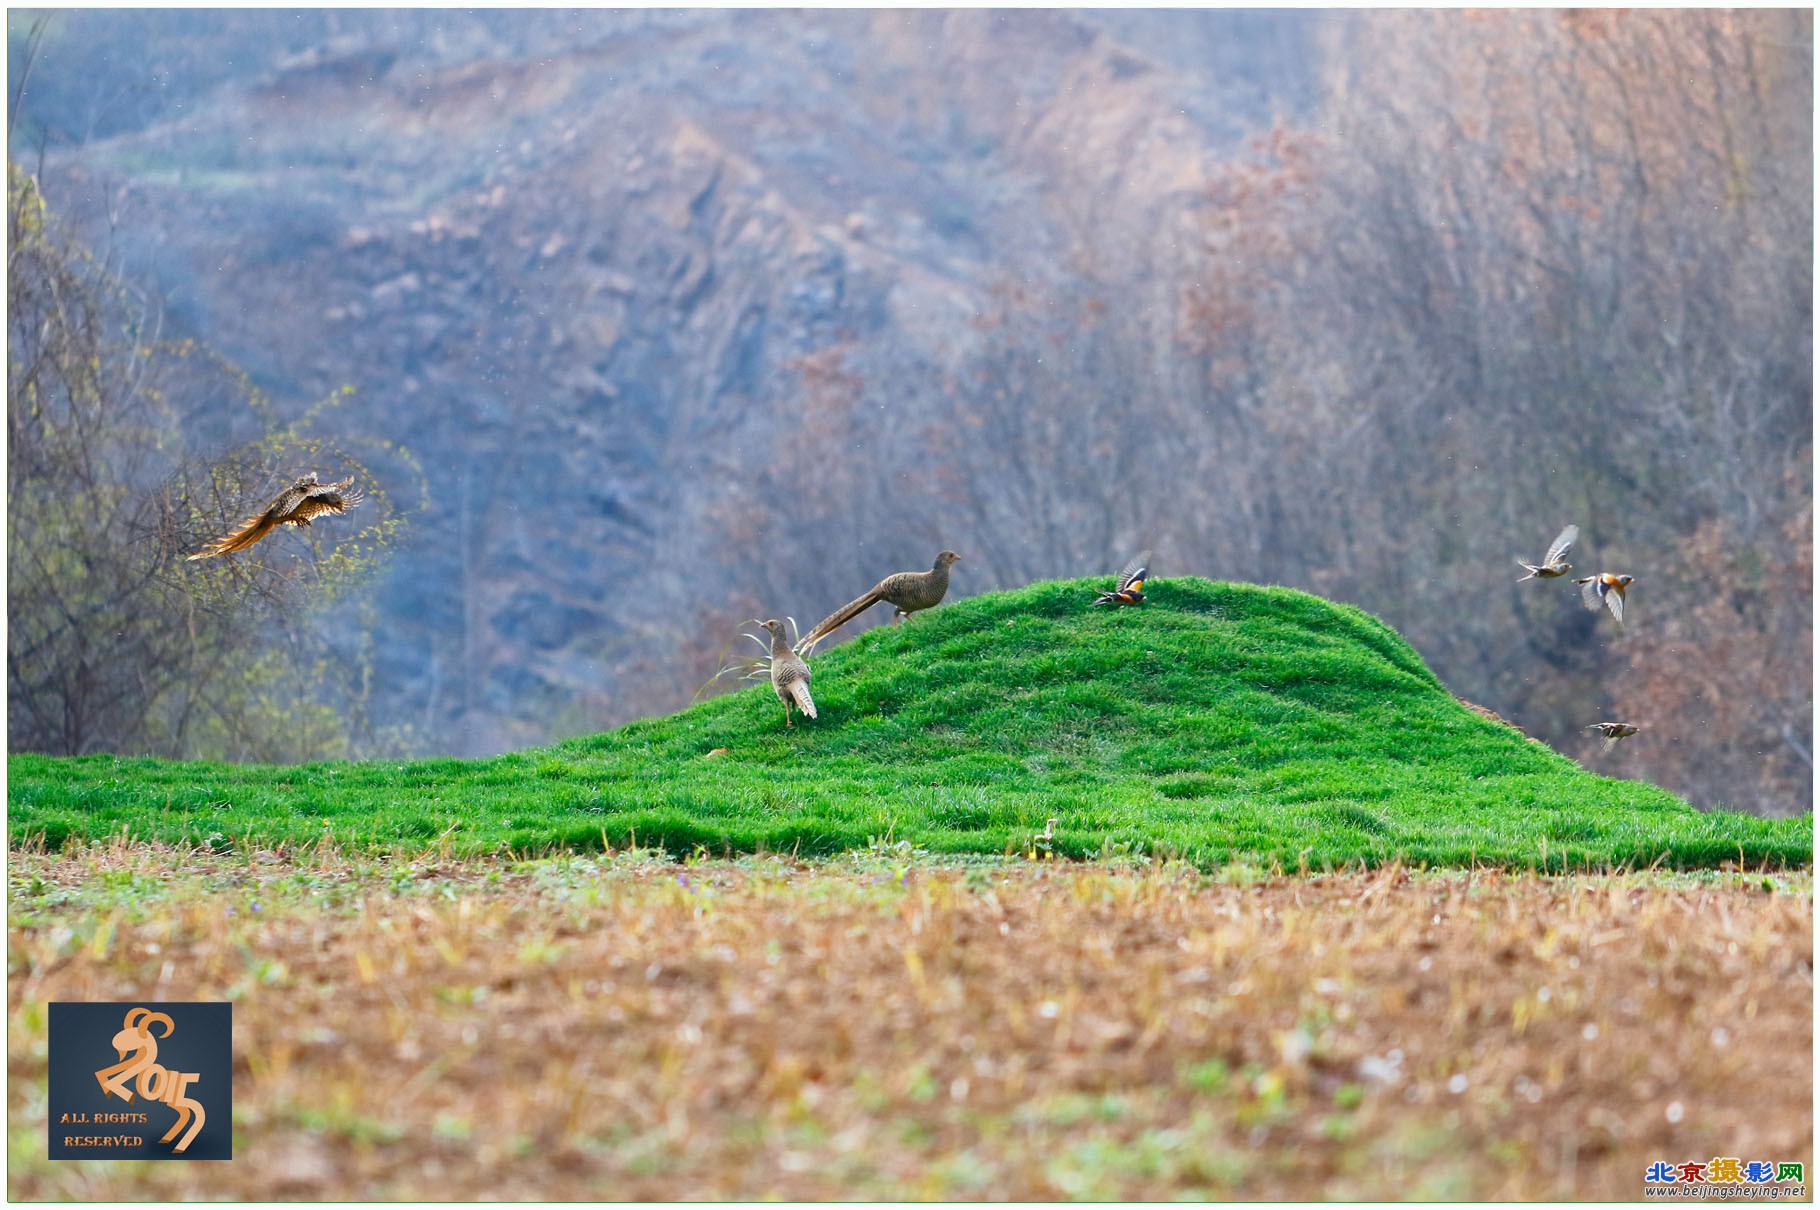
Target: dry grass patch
[625, 1027]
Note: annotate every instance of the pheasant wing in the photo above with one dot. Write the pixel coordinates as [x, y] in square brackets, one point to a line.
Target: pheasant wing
[330, 498]
[1135, 572]
[1564, 541]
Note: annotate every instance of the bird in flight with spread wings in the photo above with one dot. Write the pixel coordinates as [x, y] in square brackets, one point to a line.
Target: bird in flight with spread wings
[1613, 732]
[1554, 563]
[1605, 590]
[303, 501]
[1131, 583]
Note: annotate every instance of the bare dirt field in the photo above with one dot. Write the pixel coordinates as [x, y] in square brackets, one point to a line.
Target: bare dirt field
[626, 1027]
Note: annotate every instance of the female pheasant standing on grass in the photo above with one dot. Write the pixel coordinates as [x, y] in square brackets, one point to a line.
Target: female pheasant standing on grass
[789, 674]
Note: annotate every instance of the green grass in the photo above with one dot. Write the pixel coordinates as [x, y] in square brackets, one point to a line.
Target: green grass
[1220, 722]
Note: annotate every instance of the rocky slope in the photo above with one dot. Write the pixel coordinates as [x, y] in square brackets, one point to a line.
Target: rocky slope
[598, 275]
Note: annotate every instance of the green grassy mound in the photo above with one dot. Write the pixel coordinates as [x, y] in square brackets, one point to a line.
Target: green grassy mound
[1218, 722]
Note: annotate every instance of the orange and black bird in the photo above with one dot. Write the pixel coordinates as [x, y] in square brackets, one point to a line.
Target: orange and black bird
[303, 500]
[1131, 583]
[1613, 732]
[1554, 563]
[1607, 590]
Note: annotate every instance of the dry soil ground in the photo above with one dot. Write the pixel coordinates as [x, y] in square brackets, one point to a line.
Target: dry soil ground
[625, 1027]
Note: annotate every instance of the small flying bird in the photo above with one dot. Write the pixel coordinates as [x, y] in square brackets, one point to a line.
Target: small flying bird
[1131, 583]
[303, 500]
[789, 674]
[1607, 590]
[1554, 563]
[1613, 732]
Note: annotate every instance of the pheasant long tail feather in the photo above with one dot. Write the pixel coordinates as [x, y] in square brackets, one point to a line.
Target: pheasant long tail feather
[800, 691]
[250, 532]
[834, 621]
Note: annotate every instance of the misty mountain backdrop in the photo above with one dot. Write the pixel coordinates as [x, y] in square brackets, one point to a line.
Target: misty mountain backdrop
[658, 321]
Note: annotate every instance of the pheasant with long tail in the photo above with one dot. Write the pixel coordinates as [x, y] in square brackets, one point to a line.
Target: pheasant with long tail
[302, 502]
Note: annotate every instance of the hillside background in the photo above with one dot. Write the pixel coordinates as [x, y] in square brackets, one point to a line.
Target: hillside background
[674, 319]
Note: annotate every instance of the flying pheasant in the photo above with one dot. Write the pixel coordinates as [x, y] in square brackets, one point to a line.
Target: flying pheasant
[1613, 732]
[789, 675]
[303, 500]
[1554, 563]
[1607, 590]
[907, 591]
[1131, 583]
